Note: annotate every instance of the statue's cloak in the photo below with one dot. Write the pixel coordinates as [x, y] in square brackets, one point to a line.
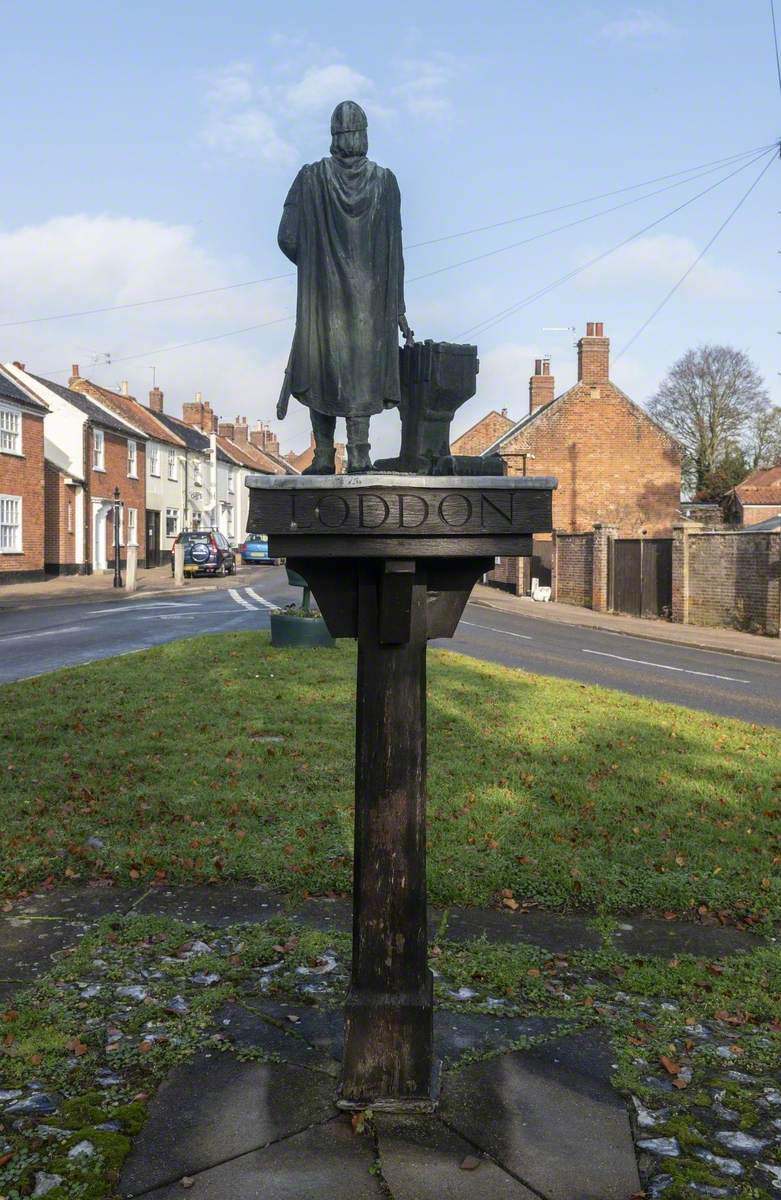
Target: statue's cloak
[341, 226]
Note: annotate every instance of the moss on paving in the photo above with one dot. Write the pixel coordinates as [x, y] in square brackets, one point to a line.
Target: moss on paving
[219, 757]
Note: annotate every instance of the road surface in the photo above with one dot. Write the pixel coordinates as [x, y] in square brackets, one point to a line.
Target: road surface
[34, 641]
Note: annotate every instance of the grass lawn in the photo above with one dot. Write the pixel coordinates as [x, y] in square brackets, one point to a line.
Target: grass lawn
[219, 757]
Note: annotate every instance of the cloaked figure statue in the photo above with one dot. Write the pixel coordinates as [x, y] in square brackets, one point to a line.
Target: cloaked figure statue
[341, 226]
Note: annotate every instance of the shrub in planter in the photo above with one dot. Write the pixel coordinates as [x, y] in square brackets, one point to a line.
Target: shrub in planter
[299, 626]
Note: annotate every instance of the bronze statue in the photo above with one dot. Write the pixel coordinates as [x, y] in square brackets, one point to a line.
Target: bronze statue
[341, 226]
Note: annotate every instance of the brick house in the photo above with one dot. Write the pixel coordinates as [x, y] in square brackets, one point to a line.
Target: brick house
[756, 499]
[21, 483]
[303, 459]
[90, 451]
[483, 433]
[614, 464]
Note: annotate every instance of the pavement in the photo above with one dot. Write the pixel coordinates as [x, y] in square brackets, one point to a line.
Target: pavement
[734, 675]
[527, 1109]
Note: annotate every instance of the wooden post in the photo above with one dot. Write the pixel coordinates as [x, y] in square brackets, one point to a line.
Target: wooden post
[389, 1012]
[179, 564]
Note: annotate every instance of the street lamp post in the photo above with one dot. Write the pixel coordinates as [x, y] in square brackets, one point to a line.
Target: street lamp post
[117, 519]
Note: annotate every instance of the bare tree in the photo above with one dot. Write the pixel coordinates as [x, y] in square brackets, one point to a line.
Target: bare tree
[710, 401]
[763, 445]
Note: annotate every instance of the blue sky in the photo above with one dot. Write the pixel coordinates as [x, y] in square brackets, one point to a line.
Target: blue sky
[148, 149]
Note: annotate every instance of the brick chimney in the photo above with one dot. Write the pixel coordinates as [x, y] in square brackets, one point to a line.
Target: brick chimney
[241, 431]
[264, 438]
[541, 385]
[74, 373]
[156, 399]
[199, 414]
[594, 355]
[227, 429]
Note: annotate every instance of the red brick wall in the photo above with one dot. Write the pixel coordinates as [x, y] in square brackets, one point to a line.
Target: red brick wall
[132, 491]
[59, 541]
[612, 463]
[574, 568]
[23, 476]
[507, 574]
[754, 513]
[734, 579]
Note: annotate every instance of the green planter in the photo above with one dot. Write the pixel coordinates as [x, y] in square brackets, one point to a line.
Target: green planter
[289, 630]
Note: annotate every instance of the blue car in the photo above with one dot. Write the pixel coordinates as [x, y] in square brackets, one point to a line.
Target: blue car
[254, 549]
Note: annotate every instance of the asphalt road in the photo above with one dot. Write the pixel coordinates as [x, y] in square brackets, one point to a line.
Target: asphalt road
[34, 641]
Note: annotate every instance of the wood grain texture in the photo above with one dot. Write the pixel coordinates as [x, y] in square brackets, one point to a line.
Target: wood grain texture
[315, 546]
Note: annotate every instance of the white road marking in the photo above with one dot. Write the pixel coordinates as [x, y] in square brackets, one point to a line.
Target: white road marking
[97, 612]
[664, 667]
[20, 637]
[526, 636]
[251, 592]
[169, 617]
[234, 595]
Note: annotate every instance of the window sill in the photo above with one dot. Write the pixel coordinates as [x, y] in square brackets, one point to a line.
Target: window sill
[11, 552]
[13, 453]
[102, 470]
[132, 476]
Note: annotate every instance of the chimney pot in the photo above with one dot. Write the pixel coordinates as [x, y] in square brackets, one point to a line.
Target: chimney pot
[124, 387]
[589, 328]
[546, 366]
[538, 366]
[599, 329]
[21, 366]
[594, 355]
[74, 370]
[156, 400]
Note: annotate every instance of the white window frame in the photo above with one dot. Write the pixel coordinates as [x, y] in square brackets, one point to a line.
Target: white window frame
[132, 459]
[11, 428]
[69, 512]
[98, 450]
[154, 459]
[173, 465]
[197, 473]
[172, 513]
[231, 481]
[230, 521]
[132, 527]
[18, 547]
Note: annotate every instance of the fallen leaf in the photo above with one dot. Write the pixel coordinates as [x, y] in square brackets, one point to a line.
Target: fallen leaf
[670, 1066]
[6, 1158]
[358, 1121]
[509, 902]
[187, 1181]
[77, 1046]
[470, 1163]
[680, 1083]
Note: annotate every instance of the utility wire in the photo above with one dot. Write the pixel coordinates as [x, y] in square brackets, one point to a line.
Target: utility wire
[698, 259]
[89, 312]
[495, 318]
[775, 41]
[568, 225]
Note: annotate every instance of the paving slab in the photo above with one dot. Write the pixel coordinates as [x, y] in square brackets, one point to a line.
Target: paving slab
[322, 1028]
[554, 931]
[215, 906]
[78, 903]
[327, 1162]
[247, 1029]
[216, 1108]
[649, 935]
[456, 1034]
[421, 1159]
[550, 1118]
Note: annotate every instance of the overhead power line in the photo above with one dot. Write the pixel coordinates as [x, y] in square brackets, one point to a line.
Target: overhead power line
[502, 314]
[107, 308]
[775, 41]
[698, 259]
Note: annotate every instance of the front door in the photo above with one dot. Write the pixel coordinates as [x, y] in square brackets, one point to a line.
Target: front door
[152, 538]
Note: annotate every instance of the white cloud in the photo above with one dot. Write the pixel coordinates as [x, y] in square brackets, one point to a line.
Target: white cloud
[640, 24]
[249, 133]
[423, 90]
[325, 87]
[659, 261]
[230, 86]
[78, 262]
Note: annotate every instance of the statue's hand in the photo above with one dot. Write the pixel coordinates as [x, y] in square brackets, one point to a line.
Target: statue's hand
[409, 334]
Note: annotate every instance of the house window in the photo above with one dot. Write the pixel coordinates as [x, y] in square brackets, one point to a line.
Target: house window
[10, 524]
[10, 430]
[198, 473]
[70, 517]
[98, 450]
[231, 481]
[132, 459]
[132, 526]
[196, 522]
[173, 465]
[171, 522]
[154, 458]
[229, 525]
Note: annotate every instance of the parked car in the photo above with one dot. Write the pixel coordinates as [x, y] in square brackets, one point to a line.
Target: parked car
[206, 551]
[254, 549]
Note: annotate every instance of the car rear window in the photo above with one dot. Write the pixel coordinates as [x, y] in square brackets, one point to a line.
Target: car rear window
[195, 537]
[256, 537]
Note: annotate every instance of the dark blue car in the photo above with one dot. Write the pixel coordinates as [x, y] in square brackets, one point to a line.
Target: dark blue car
[206, 551]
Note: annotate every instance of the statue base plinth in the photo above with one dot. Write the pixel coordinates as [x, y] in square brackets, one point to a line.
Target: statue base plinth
[392, 560]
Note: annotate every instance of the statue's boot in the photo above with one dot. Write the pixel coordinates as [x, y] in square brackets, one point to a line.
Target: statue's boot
[358, 460]
[323, 463]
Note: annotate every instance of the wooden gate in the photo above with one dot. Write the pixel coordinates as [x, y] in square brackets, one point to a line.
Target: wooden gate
[640, 576]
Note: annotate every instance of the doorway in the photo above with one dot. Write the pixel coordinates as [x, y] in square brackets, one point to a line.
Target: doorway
[152, 538]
